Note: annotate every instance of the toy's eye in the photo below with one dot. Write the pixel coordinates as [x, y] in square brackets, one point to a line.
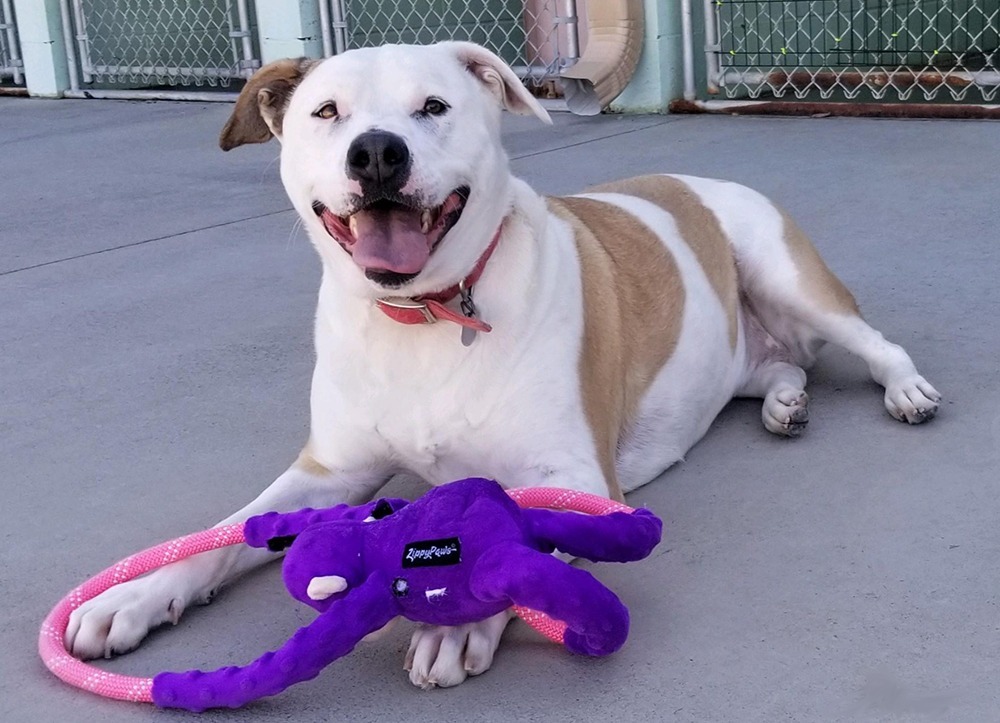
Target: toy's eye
[326, 111]
[434, 106]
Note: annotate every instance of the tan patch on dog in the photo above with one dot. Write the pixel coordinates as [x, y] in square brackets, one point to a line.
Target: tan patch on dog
[260, 107]
[815, 278]
[307, 463]
[633, 302]
[699, 228]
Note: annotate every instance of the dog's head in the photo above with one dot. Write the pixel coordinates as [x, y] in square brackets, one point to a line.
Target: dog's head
[391, 155]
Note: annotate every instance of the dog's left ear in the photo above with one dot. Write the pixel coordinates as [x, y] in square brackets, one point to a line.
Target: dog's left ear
[497, 76]
[261, 105]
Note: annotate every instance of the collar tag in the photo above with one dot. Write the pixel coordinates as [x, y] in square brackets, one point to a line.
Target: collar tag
[469, 309]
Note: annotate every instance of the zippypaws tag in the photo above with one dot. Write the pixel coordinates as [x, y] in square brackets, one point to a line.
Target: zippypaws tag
[433, 553]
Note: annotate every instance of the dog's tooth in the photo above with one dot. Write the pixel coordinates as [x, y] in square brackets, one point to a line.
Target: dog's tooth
[352, 223]
[426, 221]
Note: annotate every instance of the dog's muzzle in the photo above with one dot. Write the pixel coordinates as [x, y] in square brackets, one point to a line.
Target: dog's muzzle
[392, 237]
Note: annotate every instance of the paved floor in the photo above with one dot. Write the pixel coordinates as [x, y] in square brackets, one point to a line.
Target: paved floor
[155, 312]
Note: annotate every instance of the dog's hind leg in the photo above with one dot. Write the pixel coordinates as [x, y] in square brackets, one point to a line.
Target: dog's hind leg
[773, 375]
[908, 396]
[117, 620]
[802, 304]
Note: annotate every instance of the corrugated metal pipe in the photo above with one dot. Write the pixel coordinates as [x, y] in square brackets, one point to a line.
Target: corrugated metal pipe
[614, 42]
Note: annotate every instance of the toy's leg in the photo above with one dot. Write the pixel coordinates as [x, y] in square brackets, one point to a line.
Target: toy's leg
[615, 537]
[117, 620]
[330, 636]
[277, 530]
[597, 621]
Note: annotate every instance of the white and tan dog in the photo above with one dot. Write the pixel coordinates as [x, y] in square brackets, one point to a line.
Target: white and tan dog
[605, 333]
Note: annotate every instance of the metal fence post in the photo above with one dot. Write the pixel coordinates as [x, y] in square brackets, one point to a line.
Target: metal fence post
[72, 65]
[339, 25]
[13, 55]
[572, 20]
[326, 29]
[81, 39]
[248, 64]
[711, 48]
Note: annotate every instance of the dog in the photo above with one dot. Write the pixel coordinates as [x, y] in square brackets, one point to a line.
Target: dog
[467, 326]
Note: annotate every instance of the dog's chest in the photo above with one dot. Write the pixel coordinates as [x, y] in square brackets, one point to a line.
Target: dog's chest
[417, 397]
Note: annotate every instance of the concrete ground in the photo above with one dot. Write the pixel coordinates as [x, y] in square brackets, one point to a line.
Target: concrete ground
[155, 314]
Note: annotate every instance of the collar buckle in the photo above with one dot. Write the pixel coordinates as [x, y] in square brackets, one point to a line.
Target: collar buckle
[408, 304]
[429, 308]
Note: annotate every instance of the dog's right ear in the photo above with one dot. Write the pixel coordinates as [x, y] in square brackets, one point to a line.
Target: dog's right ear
[261, 105]
[498, 78]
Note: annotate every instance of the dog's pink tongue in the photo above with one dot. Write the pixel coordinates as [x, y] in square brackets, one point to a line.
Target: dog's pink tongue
[389, 240]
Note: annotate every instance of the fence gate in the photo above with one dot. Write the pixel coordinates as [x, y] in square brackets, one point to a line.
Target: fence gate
[867, 52]
[166, 49]
[11, 66]
[538, 38]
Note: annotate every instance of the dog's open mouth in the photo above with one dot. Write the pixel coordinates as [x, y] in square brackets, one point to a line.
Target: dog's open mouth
[392, 239]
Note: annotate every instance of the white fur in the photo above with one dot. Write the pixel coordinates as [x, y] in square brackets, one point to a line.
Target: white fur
[388, 398]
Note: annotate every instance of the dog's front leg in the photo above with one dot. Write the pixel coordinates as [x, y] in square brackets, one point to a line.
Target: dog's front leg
[117, 620]
[442, 656]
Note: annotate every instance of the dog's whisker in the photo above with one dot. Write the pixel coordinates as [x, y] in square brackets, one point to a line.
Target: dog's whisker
[265, 172]
[297, 226]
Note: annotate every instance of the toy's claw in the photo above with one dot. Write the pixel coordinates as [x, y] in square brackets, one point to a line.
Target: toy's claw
[320, 588]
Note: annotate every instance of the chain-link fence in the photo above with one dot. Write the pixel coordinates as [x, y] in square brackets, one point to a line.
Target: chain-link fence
[141, 44]
[868, 50]
[538, 38]
[11, 66]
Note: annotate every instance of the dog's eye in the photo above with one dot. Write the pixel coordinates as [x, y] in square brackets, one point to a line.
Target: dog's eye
[326, 111]
[434, 106]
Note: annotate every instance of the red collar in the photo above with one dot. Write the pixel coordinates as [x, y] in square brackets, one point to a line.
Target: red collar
[429, 308]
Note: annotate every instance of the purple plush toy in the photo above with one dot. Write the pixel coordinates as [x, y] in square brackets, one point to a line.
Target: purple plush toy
[461, 553]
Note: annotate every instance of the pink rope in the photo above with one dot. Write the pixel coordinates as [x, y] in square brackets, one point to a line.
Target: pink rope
[51, 645]
[554, 498]
[51, 637]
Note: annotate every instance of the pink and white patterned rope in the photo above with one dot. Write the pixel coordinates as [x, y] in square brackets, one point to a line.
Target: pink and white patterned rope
[554, 498]
[51, 637]
[51, 645]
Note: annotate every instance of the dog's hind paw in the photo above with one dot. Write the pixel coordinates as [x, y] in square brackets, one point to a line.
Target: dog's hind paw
[786, 412]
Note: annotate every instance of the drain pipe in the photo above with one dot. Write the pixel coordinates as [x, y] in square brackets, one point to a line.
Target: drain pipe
[614, 43]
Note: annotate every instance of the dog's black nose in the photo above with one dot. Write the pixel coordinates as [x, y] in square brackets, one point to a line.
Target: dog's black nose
[378, 157]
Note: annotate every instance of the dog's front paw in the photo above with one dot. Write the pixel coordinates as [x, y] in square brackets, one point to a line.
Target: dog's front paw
[117, 620]
[912, 399]
[442, 656]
